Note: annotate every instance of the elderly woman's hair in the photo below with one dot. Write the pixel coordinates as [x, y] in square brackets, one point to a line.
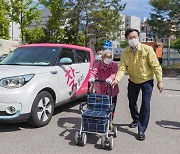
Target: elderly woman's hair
[106, 51]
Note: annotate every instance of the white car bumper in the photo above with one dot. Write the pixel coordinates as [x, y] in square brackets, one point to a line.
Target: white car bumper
[14, 103]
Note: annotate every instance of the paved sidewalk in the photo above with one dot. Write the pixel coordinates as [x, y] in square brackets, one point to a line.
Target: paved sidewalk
[162, 135]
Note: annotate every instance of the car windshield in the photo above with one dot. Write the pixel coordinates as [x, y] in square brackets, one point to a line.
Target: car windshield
[31, 56]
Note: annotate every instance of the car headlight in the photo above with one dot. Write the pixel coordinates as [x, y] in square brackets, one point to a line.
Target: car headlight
[16, 81]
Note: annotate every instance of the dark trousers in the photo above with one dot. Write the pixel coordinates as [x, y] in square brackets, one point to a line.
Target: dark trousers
[114, 100]
[133, 91]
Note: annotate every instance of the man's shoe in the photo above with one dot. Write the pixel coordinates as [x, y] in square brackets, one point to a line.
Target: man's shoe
[140, 136]
[133, 124]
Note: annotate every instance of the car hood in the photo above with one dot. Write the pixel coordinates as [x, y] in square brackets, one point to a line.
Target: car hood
[12, 70]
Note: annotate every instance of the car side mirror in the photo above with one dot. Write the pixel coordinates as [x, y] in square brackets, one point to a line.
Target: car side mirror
[65, 61]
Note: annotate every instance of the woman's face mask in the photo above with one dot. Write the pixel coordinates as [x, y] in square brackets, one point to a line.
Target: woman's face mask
[133, 42]
[107, 60]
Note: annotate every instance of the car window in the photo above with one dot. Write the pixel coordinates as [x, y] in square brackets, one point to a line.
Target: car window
[67, 53]
[82, 56]
[39, 55]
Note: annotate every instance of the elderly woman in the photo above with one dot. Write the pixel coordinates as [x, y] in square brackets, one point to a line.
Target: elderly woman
[105, 70]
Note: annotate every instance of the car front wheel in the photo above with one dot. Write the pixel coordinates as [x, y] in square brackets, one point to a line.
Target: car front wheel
[42, 109]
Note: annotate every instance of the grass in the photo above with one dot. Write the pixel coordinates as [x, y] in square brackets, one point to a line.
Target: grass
[174, 66]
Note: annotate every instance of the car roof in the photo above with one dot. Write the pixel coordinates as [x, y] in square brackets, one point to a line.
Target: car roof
[58, 45]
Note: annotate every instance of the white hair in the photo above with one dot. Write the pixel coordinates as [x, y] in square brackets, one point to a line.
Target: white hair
[106, 51]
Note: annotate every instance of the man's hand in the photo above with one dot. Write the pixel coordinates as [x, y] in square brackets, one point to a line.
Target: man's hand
[160, 86]
[115, 82]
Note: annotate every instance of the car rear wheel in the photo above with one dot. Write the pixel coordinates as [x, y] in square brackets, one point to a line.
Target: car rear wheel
[42, 109]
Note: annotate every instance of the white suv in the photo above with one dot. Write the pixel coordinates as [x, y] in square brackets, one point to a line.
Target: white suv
[35, 78]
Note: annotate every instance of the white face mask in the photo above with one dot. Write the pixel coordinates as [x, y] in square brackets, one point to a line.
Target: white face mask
[107, 60]
[133, 42]
[99, 57]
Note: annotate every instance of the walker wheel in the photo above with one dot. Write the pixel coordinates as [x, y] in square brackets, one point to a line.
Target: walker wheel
[115, 131]
[111, 142]
[77, 138]
[84, 139]
[103, 141]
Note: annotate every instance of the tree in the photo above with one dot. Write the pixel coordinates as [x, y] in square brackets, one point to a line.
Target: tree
[97, 17]
[56, 21]
[74, 19]
[124, 44]
[79, 15]
[165, 18]
[4, 22]
[107, 20]
[175, 44]
[99, 44]
[24, 13]
[34, 35]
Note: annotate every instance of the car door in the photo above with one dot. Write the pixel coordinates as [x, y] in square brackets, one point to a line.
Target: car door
[82, 67]
[66, 75]
[73, 79]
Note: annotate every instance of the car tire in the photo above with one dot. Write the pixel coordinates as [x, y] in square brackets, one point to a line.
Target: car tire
[42, 109]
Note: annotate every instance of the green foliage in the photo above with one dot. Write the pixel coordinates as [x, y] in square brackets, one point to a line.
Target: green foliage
[99, 43]
[165, 18]
[124, 44]
[56, 21]
[175, 44]
[24, 13]
[69, 21]
[34, 35]
[4, 22]
[72, 38]
[107, 21]
[74, 18]
[101, 18]
[81, 40]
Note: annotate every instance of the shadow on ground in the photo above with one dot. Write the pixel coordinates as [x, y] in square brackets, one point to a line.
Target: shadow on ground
[71, 125]
[125, 129]
[173, 89]
[11, 127]
[169, 124]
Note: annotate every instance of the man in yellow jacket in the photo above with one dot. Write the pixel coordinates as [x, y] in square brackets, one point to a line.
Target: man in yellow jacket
[141, 63]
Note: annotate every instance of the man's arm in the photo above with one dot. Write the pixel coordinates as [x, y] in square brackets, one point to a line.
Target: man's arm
[156, 68]
[121, 71]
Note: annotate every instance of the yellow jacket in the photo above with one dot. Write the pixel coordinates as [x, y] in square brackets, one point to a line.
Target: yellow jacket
[140, 66]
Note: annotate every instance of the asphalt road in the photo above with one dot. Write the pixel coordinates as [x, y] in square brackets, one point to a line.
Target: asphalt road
[162, 135]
